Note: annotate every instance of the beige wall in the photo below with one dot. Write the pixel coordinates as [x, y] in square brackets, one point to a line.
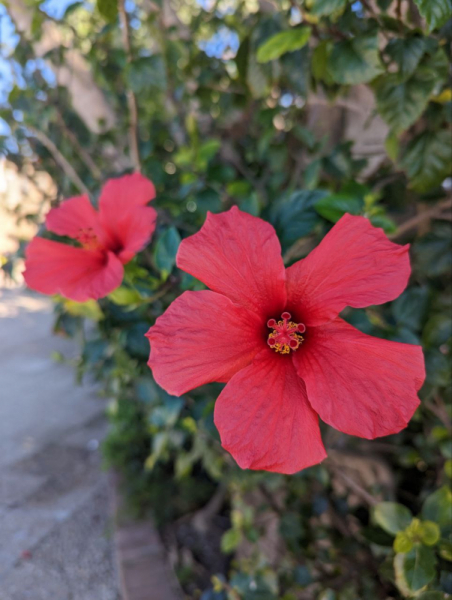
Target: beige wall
[21, 194]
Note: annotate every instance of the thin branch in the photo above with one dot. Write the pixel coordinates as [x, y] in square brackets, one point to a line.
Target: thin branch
[83, 154]
[435, 212]
[131, 99]
[59, 159]
[351, 483]
[438, 408]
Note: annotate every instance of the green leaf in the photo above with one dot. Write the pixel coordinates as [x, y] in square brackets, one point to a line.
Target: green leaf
[430, 533]
[146, 74]
[334, 206]
[166, 250]
[433, 252]
[438, 368]
[402, 542]
[435, 12]
[410, 308]
[392, 146]
[431, 596]
[108, 9]
[206, 152]
[230, 540]
[415, 569]
[437, 331]
[407, 53]
[427, 160]
[89, 309]
[401, 104]
[438, 507]
[320, 62]
[256, 78]
[124, 296]
[324, 8]
[392, 517]
[294, 216]
[285, 41]
[355, 61]
[445, 550]
[384, 222]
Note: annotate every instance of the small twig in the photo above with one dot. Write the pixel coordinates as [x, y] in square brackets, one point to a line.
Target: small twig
[351, 483]
[84, 156]
[299, 249]
[228, 153]
[369, 8]
[131, 99]
[435, 212]
[59, 158]
[438, 408]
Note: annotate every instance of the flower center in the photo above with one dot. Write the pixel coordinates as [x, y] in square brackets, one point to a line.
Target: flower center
[88, 239]
[286, 334]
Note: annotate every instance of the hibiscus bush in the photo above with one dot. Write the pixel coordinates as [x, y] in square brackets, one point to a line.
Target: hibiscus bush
[263, 133]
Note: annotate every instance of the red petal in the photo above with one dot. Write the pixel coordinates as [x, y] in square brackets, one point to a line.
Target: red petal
[71, 216]
[201, 338]
[265, 420]
[127, 222]
[359, 384]
[54, 268]
[354, 265]
[238, 255]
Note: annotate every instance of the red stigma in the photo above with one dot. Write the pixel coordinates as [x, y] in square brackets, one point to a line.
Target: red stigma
[286, 334]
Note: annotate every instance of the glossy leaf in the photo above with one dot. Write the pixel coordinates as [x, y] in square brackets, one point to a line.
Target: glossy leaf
[166, 250]
[285, 41]
[435, 12]
[401, 103]
[392, 517]
[427, 160]
[355, 61]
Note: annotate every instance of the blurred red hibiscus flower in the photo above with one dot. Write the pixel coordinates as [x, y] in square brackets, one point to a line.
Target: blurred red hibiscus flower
[107, 239]
[274, 335]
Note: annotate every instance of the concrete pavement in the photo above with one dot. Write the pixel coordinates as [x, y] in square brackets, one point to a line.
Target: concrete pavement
[55, 515]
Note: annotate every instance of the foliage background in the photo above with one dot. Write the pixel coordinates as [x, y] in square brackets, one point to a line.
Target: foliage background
[297, 111]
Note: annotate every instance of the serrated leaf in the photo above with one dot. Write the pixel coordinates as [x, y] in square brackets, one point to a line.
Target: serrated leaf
[324, 8]
[285, 41]
[401, 103]
[392, 517]
[355, 61]
[334, 206]
[166, 250]
[407, 53]
[435, 12]
[427, 160]
[433, 252]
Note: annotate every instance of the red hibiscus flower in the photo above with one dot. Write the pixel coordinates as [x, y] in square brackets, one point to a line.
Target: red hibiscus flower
[107, 239]
[274, 335]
